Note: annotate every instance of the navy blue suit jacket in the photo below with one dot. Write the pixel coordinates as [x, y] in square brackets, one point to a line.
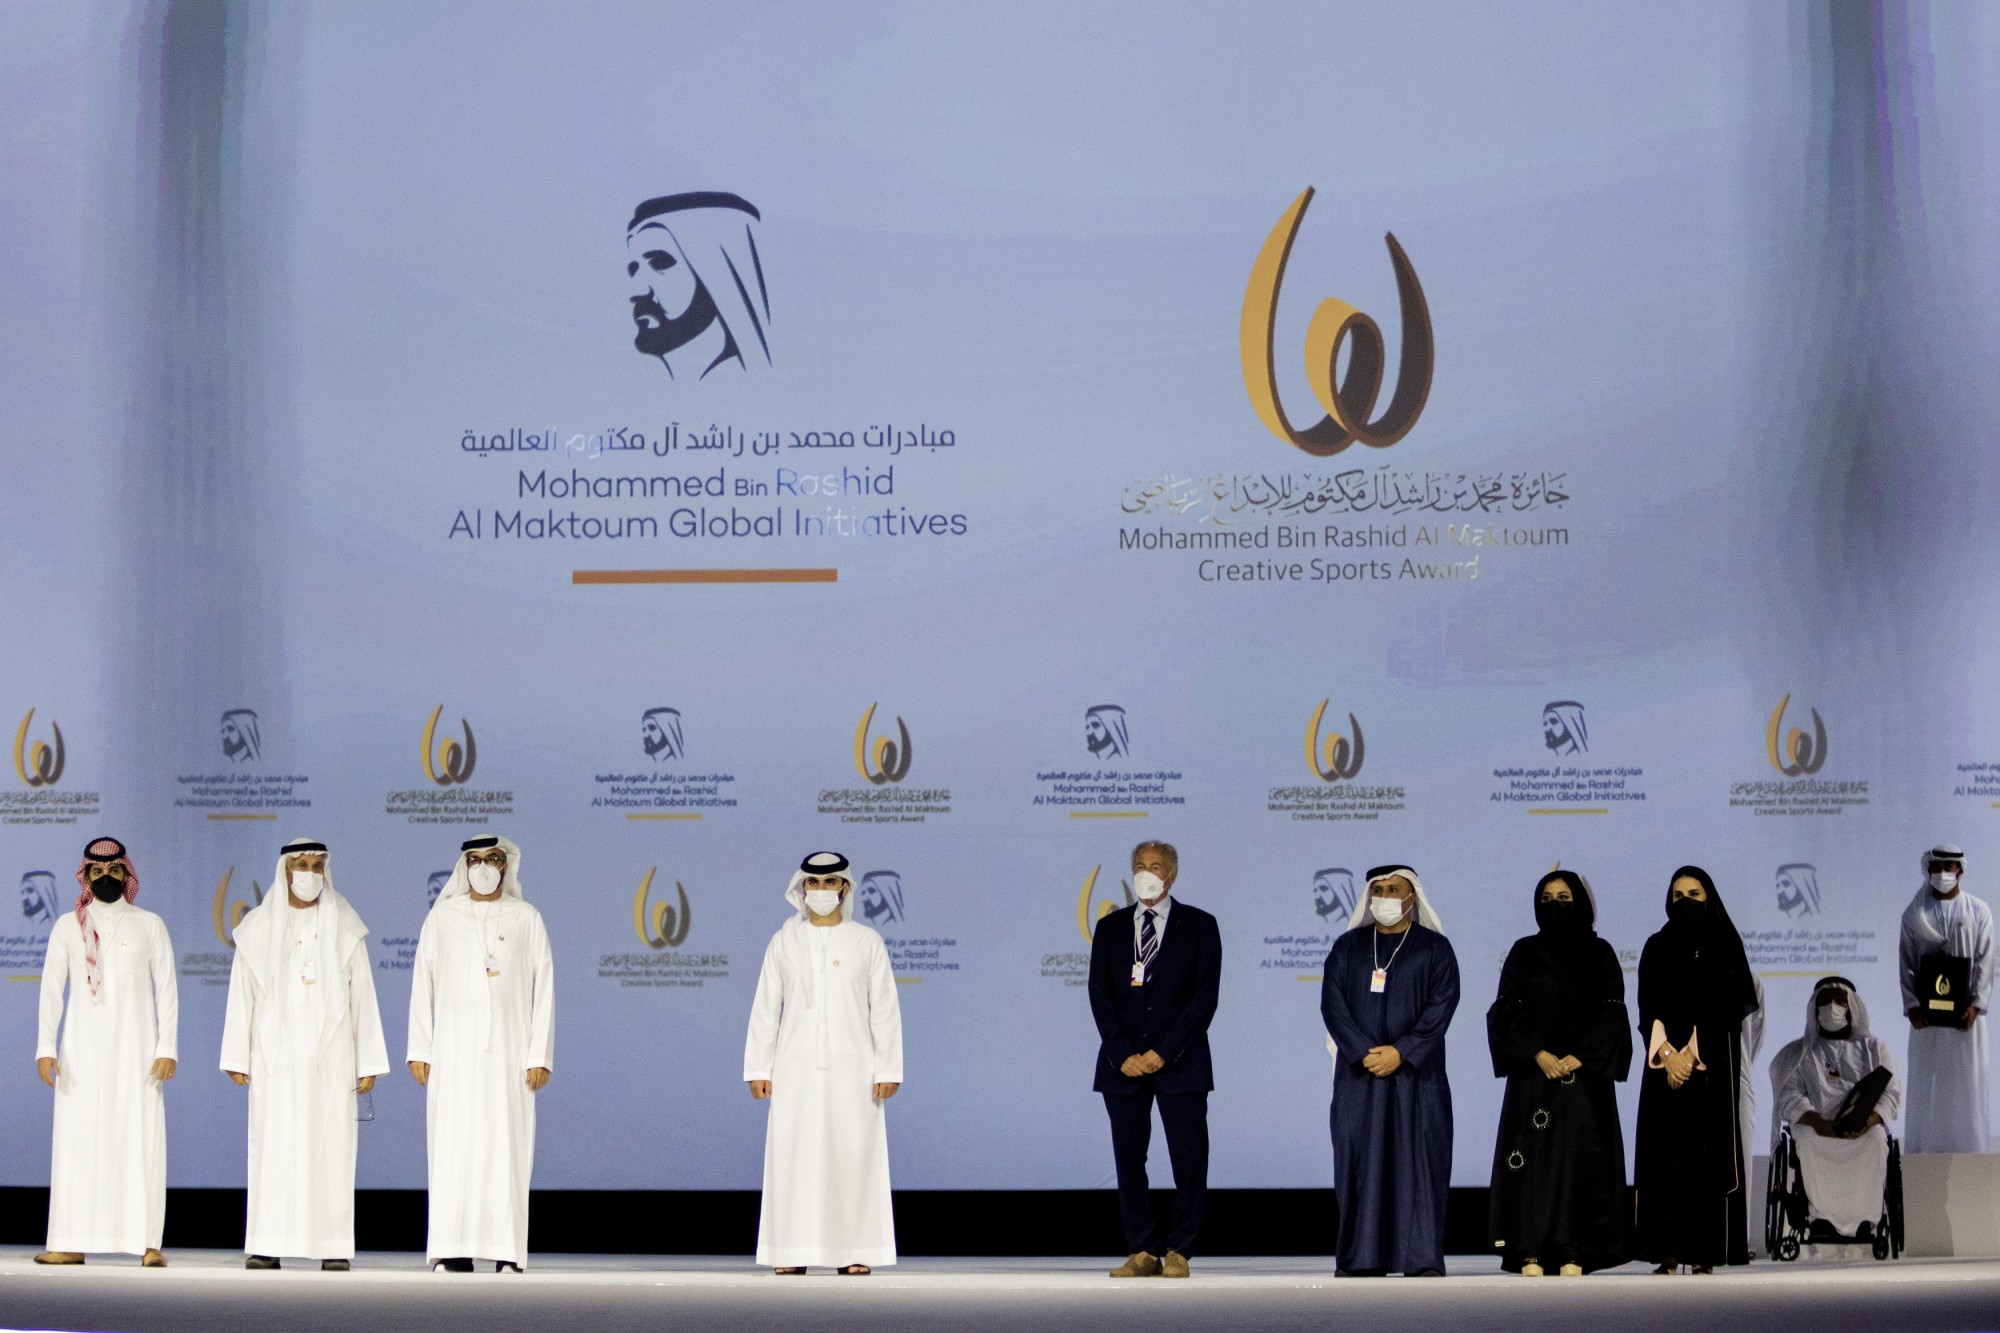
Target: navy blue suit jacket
[1169, 1014]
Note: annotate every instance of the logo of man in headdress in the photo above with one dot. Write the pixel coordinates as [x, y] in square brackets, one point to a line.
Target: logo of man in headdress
[1563, 729]
[1798, 889]
[660, 733]
[1105, 733]
[240, 740]
[697, 283]
[881, 898]
[38, 897]
[435, 885]
[1333, 893]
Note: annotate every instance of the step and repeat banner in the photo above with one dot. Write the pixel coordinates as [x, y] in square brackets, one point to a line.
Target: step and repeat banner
[975, 439]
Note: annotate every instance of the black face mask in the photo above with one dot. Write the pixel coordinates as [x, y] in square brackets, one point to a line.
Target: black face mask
[1684, 910]
[108, 889]
[1554, 914]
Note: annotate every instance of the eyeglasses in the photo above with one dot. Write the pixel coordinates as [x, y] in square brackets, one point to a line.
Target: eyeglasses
[487, 859]
[97, 870]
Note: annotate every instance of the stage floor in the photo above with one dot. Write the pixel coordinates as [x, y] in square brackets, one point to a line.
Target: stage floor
[388, 1293]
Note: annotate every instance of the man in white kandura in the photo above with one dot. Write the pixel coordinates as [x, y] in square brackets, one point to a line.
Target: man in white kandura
[826, 1049]
[1836, 1087]
[482, 1032]
[1946, 965]
[108, 1171]
[303, 1033]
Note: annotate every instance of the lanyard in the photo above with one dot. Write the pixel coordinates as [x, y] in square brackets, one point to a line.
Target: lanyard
[1372, 956]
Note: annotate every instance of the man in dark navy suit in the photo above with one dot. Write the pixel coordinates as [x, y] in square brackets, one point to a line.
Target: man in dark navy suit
[1152, 992]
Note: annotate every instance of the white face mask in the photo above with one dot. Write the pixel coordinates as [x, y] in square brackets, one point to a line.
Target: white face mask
[484, 879]
[306, 885]
[1833, 1018]
[1944, 881]
[822, 902]
[1149, 887]
[1389, 911]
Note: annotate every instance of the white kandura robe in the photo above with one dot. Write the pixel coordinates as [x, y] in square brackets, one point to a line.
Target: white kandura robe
[481, 1035]
[304, 1048]
[824, 1029]
[108, 1168]
[1945, 1110]
[1844, 1178]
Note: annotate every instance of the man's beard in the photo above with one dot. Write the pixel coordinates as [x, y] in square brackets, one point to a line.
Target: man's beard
[1098, 744]
[669, 334]
[654, 748]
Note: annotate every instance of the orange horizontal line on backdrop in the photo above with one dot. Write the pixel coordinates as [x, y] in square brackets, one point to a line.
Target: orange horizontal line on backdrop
[704, 576]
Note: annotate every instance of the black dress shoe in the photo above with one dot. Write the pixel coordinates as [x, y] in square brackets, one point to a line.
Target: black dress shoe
[503, 1266]
[334, 1265]
[452, 1266]
[261, 1261]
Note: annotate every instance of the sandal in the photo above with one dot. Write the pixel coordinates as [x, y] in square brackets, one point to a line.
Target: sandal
[790, 1272]
[854, 1270]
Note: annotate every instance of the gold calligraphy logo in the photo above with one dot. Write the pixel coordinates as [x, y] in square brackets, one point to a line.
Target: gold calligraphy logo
[1349, 401]
[880, 759]
[1943, 986]
[446, 762]
[39, 764]
[658, 924]
[229, 915]
[1797, 752]
[1335, 757]
[1086, 918]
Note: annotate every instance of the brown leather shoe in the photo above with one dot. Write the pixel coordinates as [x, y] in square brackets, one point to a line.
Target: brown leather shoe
[58, 1257]
[1173, 1265]
[1139, 1265]
[153, 1259]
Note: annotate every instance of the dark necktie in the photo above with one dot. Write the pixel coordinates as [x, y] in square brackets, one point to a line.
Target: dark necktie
[1149, 939]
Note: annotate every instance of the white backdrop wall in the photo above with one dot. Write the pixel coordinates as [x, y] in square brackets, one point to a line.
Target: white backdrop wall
[293, 290]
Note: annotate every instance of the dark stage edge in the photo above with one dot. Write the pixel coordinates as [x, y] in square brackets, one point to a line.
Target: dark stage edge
[211, 1292]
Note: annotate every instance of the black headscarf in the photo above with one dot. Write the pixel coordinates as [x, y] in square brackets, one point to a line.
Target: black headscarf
[1703, 966]
[1570, 936]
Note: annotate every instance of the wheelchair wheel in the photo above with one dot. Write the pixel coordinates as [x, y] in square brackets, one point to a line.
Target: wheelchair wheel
[1788, 1248]
[1881, 1242]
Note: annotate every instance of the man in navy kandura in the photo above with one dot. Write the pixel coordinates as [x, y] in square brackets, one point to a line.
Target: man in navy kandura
[1390, 989]
[1154, 970]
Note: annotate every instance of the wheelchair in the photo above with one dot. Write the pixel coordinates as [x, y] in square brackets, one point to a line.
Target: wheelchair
[1786, 1223]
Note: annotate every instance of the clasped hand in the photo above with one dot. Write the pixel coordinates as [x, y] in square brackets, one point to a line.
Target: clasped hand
[1382, 1061]
[1553, 1066]
[1138, 1066]
[1678, 1064]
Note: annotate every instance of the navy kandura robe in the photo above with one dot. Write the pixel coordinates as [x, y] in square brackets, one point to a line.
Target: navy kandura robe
[1391, 1136]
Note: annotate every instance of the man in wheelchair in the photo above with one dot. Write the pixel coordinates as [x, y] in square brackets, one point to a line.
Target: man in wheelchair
[1835, 1089]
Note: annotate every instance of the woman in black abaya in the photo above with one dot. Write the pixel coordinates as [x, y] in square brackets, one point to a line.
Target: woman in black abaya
[1691, 1181]
[1560, 1036]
